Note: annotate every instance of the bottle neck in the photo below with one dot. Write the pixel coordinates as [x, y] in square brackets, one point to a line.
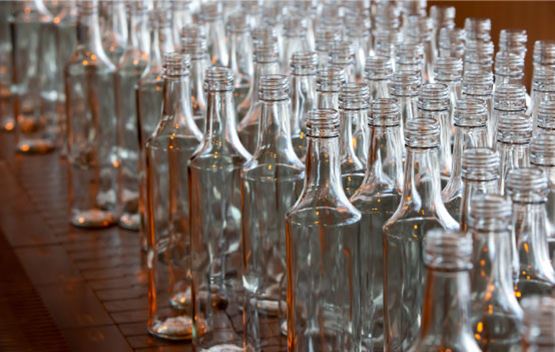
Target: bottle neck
[155, 59]
[260, 69]
[327, 100]
[445, 311]
[176, 105]
[117, 19]
[384, 169]
[471, 188]
[240, 56]
[89, 32]
[136, 29]
[165, 40]
[422, 186]
[196, 74]
[347, 151]
[221, 127]
[303, 98]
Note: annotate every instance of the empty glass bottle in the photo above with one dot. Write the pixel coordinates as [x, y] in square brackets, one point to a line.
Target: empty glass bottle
[114, 31]
[271, 183]
[323, 244]
[480, 175]
[240, 54]
[508, 99]
[90, 111]
[470, 132]
[303, 96]
[167, 153]
[542, 155]
[211, 17]
[129, 69]
[421, 209]
[266, 56]
[7, 121]
[378, 71]
[34, 77]
[328, 83]
[514, 133]
[353, 105]
[496, 315]
[446, 317]
[194, 45]
[433, 102]
[377, 199]
[215, 215]
[528, 190]
[539, 324]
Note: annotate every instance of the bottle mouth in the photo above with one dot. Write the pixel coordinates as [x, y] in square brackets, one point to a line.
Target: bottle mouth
[477, 82]
[509, 38]
[354, 96]
[470, 112]
[449, 67]
[490, 212]
[176, 64]
[218, 79]
[322, 123]
[477, 28]
[515, 129]
[273, 87]
[447, 251]
[237, 23]
[480, 164]
[384, 112]
[330, 79]
[442, 15]
[422, 132]
[527, 185]
[542, 149]
[378, 67]
[405, 83]
[511, 97]
[304, 62]
[266, 52]
[434, 96]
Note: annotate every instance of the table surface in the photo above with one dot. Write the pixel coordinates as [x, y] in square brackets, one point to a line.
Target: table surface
[62, 288]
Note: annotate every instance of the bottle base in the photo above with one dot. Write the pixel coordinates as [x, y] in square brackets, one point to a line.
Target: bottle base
[35, 146]
[129, 221]
[93, 219]
[173, 328]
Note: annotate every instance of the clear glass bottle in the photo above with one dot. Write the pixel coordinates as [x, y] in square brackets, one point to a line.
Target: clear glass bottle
[480, 175]
[508, 99]
[446, 313]
[514, 133]
[211, 17]
[266, 63]
[323, 243]
[378, 71]
[215, 215]
[271, 183]
[240, 54]
[114, 31]
[328, 83]
[528, 189]
[470, 121]
[34, 78]
[7, 121]
[405, 86]
[496, 315]
[434, 102]
[353, 141]
[542, 155]
[451, 42]
[129, 69]
[420, 210]
[539, 324]
[148, 94]
[303, 96]
[194, 45]
[479, 85]
[377, 199]
[91, 116]
[167, 153]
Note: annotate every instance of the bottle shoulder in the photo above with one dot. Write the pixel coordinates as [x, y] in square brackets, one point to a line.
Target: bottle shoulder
[84, 57]
[271, 171]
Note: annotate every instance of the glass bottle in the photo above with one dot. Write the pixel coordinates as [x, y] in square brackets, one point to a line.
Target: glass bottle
[91, 116]
[434, 102]
[114, 31]
[167, 152]
[445, 312]
[528, 190]
[470, 132]
[303, 96]
[7, 121]
[377, 199]
[33, 78]
[480, 175]
[479, 85]
[405, 86]
[420, 210]
[328, 83]
[542, 155]
[271, 183]
[353, 141]
[378, 71]
[266, 56]
[215, 215]
[194, 44]
[240, 54]
[129, 69]
[514, 133]
[496, 315]
[539, 324]
[508, 99]
[211, 17]
[451, 42]
[322, 246]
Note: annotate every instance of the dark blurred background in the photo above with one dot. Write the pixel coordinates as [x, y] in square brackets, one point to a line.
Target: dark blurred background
[537, 17]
